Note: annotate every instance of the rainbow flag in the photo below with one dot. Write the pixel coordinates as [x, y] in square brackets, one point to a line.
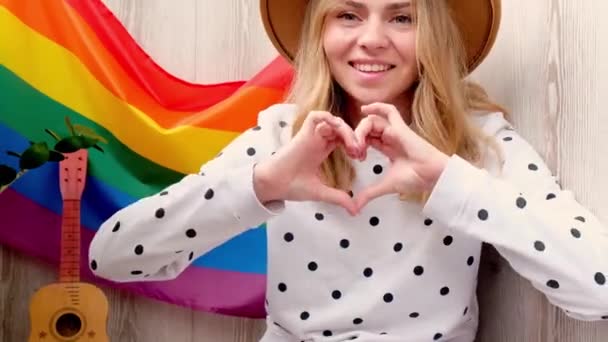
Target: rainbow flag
[74, 58]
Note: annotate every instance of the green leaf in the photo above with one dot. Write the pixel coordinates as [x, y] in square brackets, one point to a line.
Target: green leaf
[53, 134]
[89, 132]
[87, 142]
[69, 144]
[34, 156]
[97, 147]
[7, 175]
[69, 124]
[55, 156]
[14, 154]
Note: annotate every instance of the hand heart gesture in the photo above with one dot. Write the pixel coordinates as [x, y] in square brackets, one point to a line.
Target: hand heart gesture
[415, 163]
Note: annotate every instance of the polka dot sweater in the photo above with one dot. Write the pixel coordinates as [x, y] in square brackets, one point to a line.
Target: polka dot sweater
[399, 271]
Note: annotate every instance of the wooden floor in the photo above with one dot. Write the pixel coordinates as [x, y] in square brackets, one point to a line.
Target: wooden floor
[549, 67]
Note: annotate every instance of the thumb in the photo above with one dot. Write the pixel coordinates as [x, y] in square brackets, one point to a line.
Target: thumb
[373, 191]
[337, 197]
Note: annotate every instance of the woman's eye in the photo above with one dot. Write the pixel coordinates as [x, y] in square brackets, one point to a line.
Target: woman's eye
[403, 19]
[347, 16]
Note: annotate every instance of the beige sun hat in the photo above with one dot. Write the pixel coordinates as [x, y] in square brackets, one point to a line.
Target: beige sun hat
[478, 20]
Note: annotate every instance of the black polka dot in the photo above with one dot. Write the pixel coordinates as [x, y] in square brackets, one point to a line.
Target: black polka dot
[282, 287]
[93, 265]
[160, 213]
[418, 270]
[357, 321]
[377, 169]
[136, 272]
[257, 128]
[532, 167]
[580, 218]
[219, 154]
[190, 256]
[398, 247]
[388, 297]
[209, 194]
[367, 272]
[282, 123]
[374, 221]
[414, 315]
[539, 246]
[604, 317]
[521, 202]
[304, 316]
[470, 260]
[553, 284]
[139, 249]
[465, 311]
[191, 233]
[550, 196]
[116, 227]
[437, 336]
[575, 233]
[444, 290]
[312, 266]
[428, 222]
[319, 216]
[482, 214]
[288, 237]
[600, 278]
[344, 243]
[327, 333]
[448, 240]
[336, 294]
[507, 138]
[383, 333]
[164, 193]
[251, 151]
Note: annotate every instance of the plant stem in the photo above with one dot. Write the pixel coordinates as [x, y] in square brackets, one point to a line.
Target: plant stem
[19, 174]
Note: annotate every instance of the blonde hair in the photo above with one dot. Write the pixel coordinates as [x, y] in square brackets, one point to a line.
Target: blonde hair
[442, 101]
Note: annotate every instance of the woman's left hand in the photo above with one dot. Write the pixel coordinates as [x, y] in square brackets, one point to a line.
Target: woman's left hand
[415, 163]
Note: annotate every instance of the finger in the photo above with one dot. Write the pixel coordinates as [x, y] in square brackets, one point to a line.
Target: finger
[385, 110]
[348, 136]
[372, 192]
[324, 130]
[314, 118]
[338, 197]
[377, 144]
[371, 125]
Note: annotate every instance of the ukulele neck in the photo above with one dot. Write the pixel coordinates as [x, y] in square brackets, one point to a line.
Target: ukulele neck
[69, 262]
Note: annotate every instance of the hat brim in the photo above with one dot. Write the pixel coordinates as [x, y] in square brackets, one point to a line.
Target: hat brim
[478, 21]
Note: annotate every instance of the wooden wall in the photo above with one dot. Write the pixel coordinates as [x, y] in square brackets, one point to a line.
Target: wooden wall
[549, 67]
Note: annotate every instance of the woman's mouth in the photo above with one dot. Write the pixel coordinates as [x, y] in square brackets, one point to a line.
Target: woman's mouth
[371, 67]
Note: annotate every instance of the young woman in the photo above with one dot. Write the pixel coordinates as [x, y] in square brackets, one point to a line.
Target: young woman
[379, 179]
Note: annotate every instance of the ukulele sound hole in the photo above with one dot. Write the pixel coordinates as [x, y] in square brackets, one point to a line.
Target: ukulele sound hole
[68, 325]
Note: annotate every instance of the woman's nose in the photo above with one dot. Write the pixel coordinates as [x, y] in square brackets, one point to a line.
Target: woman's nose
[373, 35]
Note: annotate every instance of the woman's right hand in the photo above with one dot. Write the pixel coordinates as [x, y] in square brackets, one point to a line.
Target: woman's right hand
[293, 172]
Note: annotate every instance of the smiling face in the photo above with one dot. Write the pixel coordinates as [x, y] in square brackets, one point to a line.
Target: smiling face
[371, 49]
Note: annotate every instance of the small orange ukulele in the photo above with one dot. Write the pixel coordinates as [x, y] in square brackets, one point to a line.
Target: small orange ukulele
[69, 310]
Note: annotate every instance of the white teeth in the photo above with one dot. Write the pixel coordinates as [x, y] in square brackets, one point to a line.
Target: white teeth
[372, 67]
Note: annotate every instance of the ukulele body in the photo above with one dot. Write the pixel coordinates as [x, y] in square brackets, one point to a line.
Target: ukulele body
[68, 312]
